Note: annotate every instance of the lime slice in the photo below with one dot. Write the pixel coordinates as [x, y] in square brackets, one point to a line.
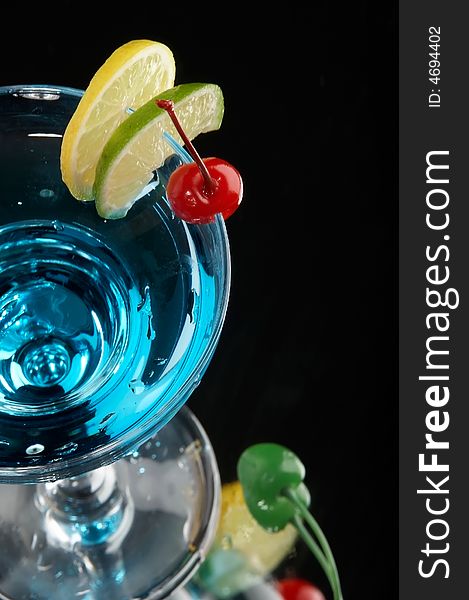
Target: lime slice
[134, 73]
[137, 147]
[238, 530]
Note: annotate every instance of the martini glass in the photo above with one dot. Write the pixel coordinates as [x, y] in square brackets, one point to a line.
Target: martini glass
[106, 327]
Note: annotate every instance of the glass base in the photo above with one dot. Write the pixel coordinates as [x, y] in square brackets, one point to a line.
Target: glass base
[138, 529]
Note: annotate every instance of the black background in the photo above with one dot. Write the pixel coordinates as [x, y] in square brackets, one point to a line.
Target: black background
[307, 355]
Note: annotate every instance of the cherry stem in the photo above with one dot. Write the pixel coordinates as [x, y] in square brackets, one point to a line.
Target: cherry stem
[210, 183]
[312, 545]
[331, 568]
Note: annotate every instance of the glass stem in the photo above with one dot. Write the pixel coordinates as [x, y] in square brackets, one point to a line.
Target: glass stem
[86, 484]
[85, 511]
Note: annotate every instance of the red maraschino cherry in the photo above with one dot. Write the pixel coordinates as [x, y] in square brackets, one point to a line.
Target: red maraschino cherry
[298, 589]
[198, 191]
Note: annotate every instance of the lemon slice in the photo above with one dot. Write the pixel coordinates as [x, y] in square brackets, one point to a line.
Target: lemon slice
[137, 147]
[134, 73]
[239, 531]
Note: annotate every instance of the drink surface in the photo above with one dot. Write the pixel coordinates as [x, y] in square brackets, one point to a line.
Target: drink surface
[105, 326]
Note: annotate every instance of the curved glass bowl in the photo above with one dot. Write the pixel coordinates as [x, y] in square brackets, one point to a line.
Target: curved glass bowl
[106, 326]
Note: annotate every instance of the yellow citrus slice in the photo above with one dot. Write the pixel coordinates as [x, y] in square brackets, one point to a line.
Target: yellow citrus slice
[238, 530]
[133, 74]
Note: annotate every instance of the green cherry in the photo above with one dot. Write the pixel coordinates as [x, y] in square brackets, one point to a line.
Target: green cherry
[266, 471]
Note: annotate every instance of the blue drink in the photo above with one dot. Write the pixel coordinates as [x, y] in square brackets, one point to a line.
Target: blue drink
[105, 329]
[105, 326]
